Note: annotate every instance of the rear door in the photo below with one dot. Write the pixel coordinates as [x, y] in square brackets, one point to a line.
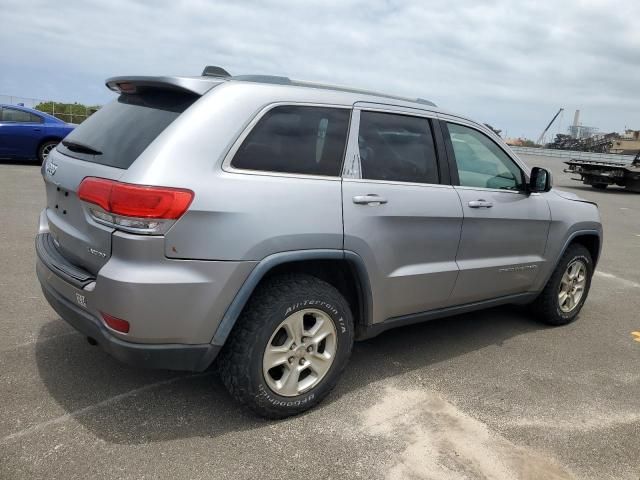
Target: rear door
[400, 214]
[505, 229]
[105, 145]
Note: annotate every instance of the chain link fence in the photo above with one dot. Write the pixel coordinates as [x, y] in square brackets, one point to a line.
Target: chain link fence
[67, 112]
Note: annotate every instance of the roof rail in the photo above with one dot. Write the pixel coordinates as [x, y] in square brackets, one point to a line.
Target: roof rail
[263, 79]
[214, 71]
[425, 102]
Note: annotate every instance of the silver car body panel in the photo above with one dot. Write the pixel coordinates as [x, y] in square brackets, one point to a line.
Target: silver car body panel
[410, 272]
[82, 240]
[423, 250]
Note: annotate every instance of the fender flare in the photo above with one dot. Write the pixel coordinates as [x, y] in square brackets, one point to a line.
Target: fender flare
[570, 238]
[268, 263]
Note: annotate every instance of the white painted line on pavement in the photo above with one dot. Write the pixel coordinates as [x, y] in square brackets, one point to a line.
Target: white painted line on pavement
[38, 341]
[623, 281]
[90, 408]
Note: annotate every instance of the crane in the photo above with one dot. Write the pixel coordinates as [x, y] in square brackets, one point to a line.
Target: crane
[539, 141]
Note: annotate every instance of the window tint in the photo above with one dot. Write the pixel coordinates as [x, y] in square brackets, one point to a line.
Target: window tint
[397, 148]
[35, 118]
[296, 139]
[121, 130]
[481, 163]
[13, 115]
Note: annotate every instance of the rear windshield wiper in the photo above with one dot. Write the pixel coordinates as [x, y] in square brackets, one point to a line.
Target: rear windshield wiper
[80, 148]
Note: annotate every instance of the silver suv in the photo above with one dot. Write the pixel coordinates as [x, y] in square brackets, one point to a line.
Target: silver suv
[268, 223]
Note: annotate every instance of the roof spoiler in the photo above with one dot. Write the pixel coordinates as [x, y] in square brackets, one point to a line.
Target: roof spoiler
[196, 85]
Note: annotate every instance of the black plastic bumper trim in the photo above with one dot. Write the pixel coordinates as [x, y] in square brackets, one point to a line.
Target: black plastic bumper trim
[53, 259]
[195, 358]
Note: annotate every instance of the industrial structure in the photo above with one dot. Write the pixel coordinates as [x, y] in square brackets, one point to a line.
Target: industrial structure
[579, 131]
[587, 139]
[627, 144]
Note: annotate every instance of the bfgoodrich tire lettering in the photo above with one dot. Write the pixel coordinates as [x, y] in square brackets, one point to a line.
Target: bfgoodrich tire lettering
[278, 298]
[547, 306]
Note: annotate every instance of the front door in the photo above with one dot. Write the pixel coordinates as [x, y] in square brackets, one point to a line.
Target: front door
[504, 232]
[400, 215]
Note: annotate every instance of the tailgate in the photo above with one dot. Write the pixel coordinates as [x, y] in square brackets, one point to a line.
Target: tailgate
[80, 239]
[105, 145]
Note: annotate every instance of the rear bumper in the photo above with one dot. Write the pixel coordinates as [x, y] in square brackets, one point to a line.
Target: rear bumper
[173, 306]
[162, 356]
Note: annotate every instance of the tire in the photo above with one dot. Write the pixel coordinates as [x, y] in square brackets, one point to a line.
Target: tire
[600, 186]
[45, 148]
[548, 305]
[265, 331]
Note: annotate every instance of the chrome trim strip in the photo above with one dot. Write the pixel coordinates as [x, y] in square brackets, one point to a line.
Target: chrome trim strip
[497, 190]
[397, 182]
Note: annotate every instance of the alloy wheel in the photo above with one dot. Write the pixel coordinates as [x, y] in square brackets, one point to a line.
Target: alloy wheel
[572, 286]
[300, 352]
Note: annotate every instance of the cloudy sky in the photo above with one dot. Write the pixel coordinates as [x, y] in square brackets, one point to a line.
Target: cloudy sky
[509, 63]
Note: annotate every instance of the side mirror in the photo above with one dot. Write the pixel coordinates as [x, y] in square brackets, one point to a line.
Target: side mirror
[540, 180]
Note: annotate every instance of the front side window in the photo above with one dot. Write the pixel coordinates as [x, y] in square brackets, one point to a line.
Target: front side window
[481, 163]
[14, 115]
[397, 148]
[296, 139]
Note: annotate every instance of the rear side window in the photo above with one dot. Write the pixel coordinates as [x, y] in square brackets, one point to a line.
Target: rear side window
[121, 130]
[18, 116]
[296, 139]
[397, 148]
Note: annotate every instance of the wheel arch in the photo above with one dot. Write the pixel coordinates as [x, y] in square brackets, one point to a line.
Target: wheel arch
[43, 140]
[591, 241]
[344, 270]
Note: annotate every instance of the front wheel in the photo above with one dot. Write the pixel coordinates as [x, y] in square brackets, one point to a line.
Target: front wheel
[289, 347]
[567, 289]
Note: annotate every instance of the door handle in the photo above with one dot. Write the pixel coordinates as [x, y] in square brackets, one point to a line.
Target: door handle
[36, 129]
[480, 204]
[370, 199]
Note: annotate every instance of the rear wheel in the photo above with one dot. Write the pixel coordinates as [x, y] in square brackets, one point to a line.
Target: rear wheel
[45, 149]
[289, 346]
[599, 186]
[567, 289]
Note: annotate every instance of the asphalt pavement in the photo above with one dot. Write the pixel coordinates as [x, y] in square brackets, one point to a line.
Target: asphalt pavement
[484, 395]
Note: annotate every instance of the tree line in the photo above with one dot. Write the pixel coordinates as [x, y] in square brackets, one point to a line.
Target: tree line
[68, 112]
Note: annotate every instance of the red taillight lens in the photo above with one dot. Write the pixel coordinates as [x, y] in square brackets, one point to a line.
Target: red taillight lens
[116, 323]
[135, 200]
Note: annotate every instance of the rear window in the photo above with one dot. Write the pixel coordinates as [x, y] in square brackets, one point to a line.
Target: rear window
[296, 139]
[121, 130]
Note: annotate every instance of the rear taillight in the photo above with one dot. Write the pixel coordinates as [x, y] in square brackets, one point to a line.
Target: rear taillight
[139, 208]
[116, 324]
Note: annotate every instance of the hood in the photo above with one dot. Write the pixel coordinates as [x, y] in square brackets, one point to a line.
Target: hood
[572, 196]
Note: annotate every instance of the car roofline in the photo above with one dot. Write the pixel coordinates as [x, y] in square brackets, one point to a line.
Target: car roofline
[31, 110]
[202, 84]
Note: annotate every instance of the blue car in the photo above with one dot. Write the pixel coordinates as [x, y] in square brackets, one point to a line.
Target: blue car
[28, 134]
